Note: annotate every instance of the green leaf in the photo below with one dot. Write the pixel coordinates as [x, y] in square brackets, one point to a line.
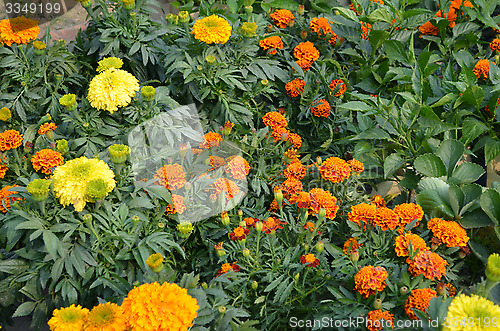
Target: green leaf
[475, 219]
[380, 15]
[457, 198]
[490, 204]
[284, 4]
[491, 150]
[474, 95]
[51, 243]
[434, 203]
[24, 309]
[392, 163]
[479, 250]
[355, 105]
[444, 100]
[471, 129]
[450, 151]
[396, 50]
[374, 133]
[430, 165]
[466, 173]
[377, 38]
[16, 266]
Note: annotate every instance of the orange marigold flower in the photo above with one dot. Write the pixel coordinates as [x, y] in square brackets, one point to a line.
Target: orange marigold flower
[271, 44]
[458, 3]
[274, 206]
[310, 260]
[282, 18]
[46, 159]
[292, 186]
[341, 87]
[403, 241]
[3, 171]
[227, 267]
[482, 68]
[353, 242]
[495, 45]
[216, 161]
[386, 218]
[272, 224]
[290, 155]
[152, 307]
[6, 199]
[46, 127]
[239, 233]
[295, 169]
[19, 30]
[309, 226]
[373, 320]
[428, 263]
[171, 176]
[408, 212]
[370, 280]
[366, 28]
[218, 246]
[451, 290]
[274, 120]
[280, 133]
[178, 205]
[362, 212]
[428, 29]
[356, 166]
[322, 27]
[335, 170]
[306, 54]
[295, 87]
[237, 167]
[357, 10]
[10, 139]
[227, 186]
[250, 221]
[294, 139]
[320, 198]
[211, 139]
[418, 299]
[321, 108]
[302, 200]
[449, 232]
[377, 200]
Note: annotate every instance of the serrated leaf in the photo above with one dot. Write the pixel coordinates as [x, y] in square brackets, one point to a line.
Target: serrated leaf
[450, 151]
[392, 163]
[430, 165]
[24, 309]
[466, 173]
[490, 204]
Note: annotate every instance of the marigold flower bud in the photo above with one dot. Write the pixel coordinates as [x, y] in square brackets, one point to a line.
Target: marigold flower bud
[5, 114]
[259, 226]
[303, 34]
[87, 218]
[319, 160]
[135, 219]
[296, 277]
[204, 285]
[248, 9]
[269, 28]
[377, 304]
[184, 16]
[119, 153]
[355, 256]
[403, 290]
[225, 218]
[322, 213]
[301, 10]
[222, 309]
[39, 47]
[278, 195]
[39, 189]
[172, 19]
[240, 213]
[320, 247]
[28, 147]
[441, 288]
[493, 268]
[210, 59]
[185, 229]
[148, 93]
[129, 4]
[254, 285]
[246, 252]
[306, 247]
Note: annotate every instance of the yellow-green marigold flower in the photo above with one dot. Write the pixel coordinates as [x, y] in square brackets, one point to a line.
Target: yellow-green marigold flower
[69, 318]
[68, 101]
[111, 89]
[39, 189]
[155, 262]
[210, 59]
[106, 317]
[477, 308]
[119, 153]
[212, 30]
[71, 180]
[172, 19]
[248, 29]
[109, 62]
[62, 146]
[97, 189]
[5, 114]
[184, 16]
[39, 45]
[128, 4]
[148, 93]
[493, 268]
[185, 229]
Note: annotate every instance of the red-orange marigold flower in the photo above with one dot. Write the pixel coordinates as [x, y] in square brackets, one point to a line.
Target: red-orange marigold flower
[216, 161]
[321, 108]
[46, 127]
[10, 139]
[362, 212]
[250, 221]
[280, 133]
[419, 299]
[237, 167]
[377, 200]
[370, 280]
[178, 205]
[290, 155]
[495, 45]
[309, 226]
[353, 242]
[403, 241]
[282, 18]
[272, 224]
[227, 186]
[302, 200]
[386, 218]
[356, 166]
[271, 44]
[310, 260]
[333, 85]
[295, 169]
[408, 212]
[428, 263]
[171, 176]
[428, 29]
[295, 87]
[6, 199]
[274, 120]
[306, 54]
[3, 170]
[482, 69]
[294, 139]
[449, 232]
[373, 320]
[239, 233]
[321, 26]
[227, 267]
[292, 186]
[320, 198]
[46, 159]
[211, 139]
[335, 170]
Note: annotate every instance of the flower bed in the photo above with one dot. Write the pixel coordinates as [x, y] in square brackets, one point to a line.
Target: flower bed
[255, 206]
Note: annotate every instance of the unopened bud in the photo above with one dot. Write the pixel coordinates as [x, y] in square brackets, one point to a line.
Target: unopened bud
[243, 224]
[254, 285]
[87, 218]
[322, 213]
[269, 28]
[320, 247]
[291, 23]
[319, 161]
[301, 10]
[240, 212]
[403, 290]
[222, 309]
[377, 304]
[248, 9]
[204, 285]
[225, 218]
[259, 226]
[306, 247]
[246, 252]
[303, 34]
[296, 277]
[355, 256]
[441, 289]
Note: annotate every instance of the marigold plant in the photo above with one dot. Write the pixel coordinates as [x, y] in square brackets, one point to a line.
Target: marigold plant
[370, 280]
[418, 299]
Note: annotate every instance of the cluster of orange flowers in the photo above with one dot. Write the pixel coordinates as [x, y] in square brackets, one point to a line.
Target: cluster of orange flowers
[225, 185]
[271, 224]
[306, 54]
[282, 18]
[335, 170]
[271, 44]
[385, 217]
[237, 167]
[418, 299]
[448, 232]
[295, 87]
[321, 108]
[177, 206]
[373, 320]
[314, 200]
[429, 29]
[482, 69]
[6, 198]
[322, 27]
[10, 139]
[46, 159]
[370, 280]
[278, 123]
[404, 240]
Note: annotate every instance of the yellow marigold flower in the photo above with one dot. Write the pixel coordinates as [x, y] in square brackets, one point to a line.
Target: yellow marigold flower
[373, 320]
[295, 87]
[109, 62]
[68, 101]
[482, 69]
[248, 29]
[148, 93]
[335, 170]
[321, 199]
[155, 261]
[40, 45]
[212, 30]
[282, 18]
[419, 299]
[178, 205]
[403, 241]
[106, 317]
[309, 260]
[72, 178]
[153, 307]
[353, 242]
[39, 189]
[408, 212]
[46, 127]
[480, 310]
[322, 27]
[111, 89]
[385, 218]
[10, 139]
[271, 44]
[362, 212]
[171, 176]
[19, 30]
[62, 146]
[306, 54]
[6, 198]
[211, 139]
[341, 87]
[71, 318]
[5, 114]
[237, 167]
[449, 232]
[46, 159]
[493, 268]
[370, 280]
[428, 263]
[118, 153]
[321, 108]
